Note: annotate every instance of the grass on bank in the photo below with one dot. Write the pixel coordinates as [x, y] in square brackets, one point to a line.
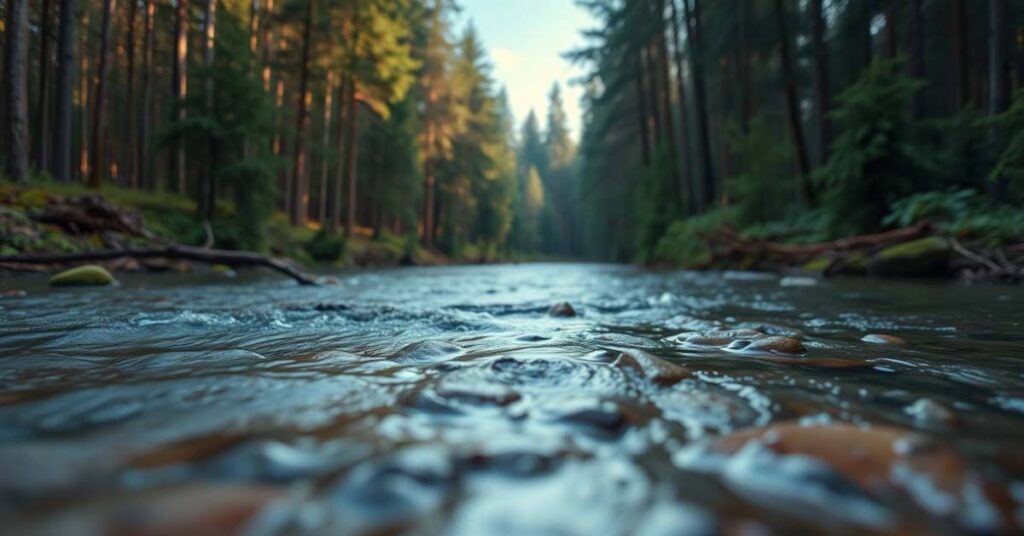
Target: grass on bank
[173, 217]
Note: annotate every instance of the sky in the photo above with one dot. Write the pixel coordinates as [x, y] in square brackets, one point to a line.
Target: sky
[525, 40]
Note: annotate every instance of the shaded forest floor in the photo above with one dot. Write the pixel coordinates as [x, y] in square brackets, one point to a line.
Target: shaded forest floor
[58, 218]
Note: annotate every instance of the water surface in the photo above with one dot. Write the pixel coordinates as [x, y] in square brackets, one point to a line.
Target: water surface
[447, 400]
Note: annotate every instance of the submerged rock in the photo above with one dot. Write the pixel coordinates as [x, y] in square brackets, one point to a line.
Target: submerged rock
[13, 293]
[722, 337]
[426, 352]
[775, 345]
[562, 310]
[653, 368]
[882, 461]
[917, 258]
[879, 338]
[87, 275]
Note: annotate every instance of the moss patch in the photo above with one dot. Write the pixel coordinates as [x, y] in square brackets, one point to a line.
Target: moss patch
[89, 275]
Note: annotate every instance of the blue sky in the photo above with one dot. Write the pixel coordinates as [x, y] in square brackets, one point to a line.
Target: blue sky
[525, 40]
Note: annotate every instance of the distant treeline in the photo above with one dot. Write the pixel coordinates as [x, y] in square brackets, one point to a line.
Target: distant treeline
[799, 120]
[357, 114]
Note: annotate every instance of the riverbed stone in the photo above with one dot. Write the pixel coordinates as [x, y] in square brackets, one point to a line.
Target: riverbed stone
[722, 337]
[776, 345]
[87, 275]
[917, 258]
[928, 411]
[881, 338]
[562, 310]
[653, 368]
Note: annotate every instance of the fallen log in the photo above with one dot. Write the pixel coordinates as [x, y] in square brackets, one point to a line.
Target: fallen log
[190, 253]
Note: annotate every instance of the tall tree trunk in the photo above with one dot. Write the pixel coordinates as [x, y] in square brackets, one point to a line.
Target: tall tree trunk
[891, 33]
[60, 166]
[998, 79]
[664, 75]
[651, 85]
[338, 182]
[254, 28]
[83, 101]
[428, 186]
[267, 45]
[822, 87]
[207, 188]
[142, 145]
[641, 109]
[792, 103]
[746, 96]
[916, 36]
[179, 80]
[693, 15]
[15, 61]
[99, 108]
[300, 197]
[352, 116]
[961, 70]
[321, 213]
[128, 139]
[42, 134]
[688, 187]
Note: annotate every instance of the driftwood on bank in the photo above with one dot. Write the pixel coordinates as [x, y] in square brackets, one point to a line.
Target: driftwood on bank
[211, 256]
[795, 253]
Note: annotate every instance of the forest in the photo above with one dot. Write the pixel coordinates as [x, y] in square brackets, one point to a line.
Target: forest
[711, 128]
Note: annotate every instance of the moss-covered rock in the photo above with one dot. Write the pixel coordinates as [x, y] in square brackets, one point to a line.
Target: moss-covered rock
[921, 257]
[88, 275]
[818, 265]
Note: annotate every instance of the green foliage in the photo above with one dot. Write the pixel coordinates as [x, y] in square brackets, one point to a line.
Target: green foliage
[685, 243]
[876, 157]
[764, 189]
[326, 246]
[962, 213]
[1009, 168]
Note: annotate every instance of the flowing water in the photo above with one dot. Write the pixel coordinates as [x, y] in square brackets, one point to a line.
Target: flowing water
[447, 400]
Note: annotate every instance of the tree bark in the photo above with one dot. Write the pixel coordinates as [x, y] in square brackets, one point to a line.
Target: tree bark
[300, 197]
[351, 116]
[42, 134]
[998, 79]
[961, 70]
[16, 82]
[693, 15]
[142, 145]
[917, 69]
[99, 133]
[664, 76]
[83, 101]
[60, 165]
[641, 104]
[688, 187]
[179, 81]
[792, 103]
[822, 87]
[207, 188]
[128, 139]
[338, 181]
[321, 214]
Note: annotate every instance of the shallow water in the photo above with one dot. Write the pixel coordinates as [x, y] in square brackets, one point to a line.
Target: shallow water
[447, 400]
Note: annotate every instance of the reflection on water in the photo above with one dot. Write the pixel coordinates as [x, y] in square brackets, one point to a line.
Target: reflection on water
[448, 400]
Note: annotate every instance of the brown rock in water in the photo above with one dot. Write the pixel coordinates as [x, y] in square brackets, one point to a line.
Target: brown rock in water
[875, 458]
[878, 338]
[653, 368]
[562, 310]
[776, 345]
[13, 293]
[722, 337]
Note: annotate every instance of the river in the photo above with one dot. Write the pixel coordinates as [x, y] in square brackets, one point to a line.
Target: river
[447, 400]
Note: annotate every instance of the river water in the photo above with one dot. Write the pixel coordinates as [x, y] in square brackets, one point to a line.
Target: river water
[447, 400]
